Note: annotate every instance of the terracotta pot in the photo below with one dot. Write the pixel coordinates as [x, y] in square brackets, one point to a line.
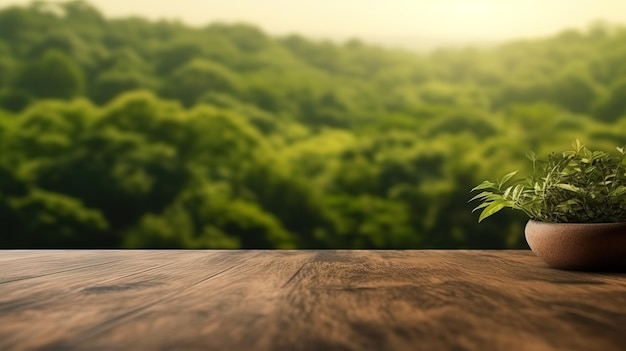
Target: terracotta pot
[578, 246]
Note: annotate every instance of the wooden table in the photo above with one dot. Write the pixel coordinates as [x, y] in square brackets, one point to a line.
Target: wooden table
[305, 300]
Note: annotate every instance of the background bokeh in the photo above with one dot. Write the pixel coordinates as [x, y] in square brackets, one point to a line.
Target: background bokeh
[135, 132]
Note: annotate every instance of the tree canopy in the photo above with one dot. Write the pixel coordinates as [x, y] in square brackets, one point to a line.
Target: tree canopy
[132, 133]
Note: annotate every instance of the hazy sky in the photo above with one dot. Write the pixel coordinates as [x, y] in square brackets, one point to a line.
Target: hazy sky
[447, 20]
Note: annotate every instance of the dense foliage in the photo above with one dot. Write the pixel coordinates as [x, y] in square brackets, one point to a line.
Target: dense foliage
[130, 133]
[575, 186]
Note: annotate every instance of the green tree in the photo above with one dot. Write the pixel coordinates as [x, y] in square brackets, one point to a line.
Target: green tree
[7, 65]
[209, 217]
[198, 77]
[48, 220]
[55, 75]
[113, 83]
[575, 89]
[175, 55]
[613, 105]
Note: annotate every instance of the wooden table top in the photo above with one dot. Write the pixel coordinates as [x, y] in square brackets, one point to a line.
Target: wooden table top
[305, 300]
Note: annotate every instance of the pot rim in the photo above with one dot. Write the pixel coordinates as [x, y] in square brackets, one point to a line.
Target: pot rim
[577, 223]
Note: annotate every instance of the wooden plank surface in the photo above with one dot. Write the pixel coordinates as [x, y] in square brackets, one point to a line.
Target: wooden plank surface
[305, 300]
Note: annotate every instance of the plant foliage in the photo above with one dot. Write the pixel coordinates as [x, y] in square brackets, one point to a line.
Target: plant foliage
[575, 186]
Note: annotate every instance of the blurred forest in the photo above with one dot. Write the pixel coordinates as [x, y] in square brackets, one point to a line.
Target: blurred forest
[134, 133]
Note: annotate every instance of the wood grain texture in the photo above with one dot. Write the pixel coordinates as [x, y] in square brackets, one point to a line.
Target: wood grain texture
[305, 300]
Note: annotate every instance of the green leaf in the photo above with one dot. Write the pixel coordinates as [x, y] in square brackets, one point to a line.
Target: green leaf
[485, 185]
[517, 192]
[507, 177]
[481, 195]
[491, 209]
[568, 203]
[621, 190]
[569, 154]
[507, 192]
[590, 170]
[576, 145]
[568, 187]
[483, 205]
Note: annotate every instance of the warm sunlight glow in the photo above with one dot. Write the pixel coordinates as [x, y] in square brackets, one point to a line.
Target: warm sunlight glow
[475, 9]
[469, 19]
[445, 21]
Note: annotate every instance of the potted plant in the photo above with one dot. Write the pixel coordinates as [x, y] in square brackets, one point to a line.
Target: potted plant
[576, 202]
